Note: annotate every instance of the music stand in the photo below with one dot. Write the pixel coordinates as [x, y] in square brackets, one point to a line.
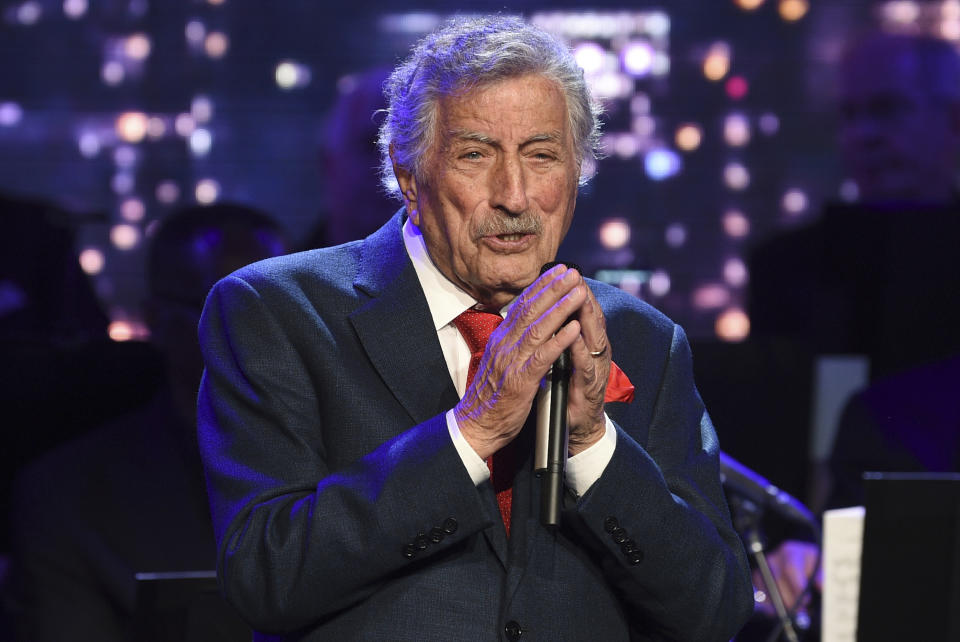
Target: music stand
[910, 569]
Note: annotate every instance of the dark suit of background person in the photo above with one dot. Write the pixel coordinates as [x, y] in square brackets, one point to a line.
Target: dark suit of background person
[129, 496]
[342, 506]
[907, 422]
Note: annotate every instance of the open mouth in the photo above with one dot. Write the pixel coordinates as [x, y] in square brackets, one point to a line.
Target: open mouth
[513, 242]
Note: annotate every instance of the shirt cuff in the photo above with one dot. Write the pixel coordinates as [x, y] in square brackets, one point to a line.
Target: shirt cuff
[475, 465]
[585, 467]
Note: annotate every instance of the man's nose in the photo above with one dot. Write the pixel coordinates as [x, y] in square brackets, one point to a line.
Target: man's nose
[509, 186]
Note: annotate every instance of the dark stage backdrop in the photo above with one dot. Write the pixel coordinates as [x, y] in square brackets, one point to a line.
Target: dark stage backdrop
[719, 125]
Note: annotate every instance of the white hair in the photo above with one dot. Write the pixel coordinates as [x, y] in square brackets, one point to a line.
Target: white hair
[466, 53]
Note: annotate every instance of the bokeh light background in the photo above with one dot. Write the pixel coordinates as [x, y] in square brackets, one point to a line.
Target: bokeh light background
[719, 125]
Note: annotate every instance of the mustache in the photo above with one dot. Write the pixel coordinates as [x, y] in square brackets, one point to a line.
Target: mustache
[525, 223]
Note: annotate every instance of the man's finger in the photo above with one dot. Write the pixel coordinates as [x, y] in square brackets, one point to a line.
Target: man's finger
[541, 315]
[593, 324]
[547, 337]
[547, 353]
[585, 362]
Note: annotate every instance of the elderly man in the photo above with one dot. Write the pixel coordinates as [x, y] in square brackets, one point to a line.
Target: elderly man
[351, 396]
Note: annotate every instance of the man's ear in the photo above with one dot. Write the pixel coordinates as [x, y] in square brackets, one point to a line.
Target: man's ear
[408, 187]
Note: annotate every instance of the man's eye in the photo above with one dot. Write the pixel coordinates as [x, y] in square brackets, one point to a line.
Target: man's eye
[472, 156]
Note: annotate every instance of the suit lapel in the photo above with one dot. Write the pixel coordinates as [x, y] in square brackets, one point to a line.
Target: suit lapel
[395, 328]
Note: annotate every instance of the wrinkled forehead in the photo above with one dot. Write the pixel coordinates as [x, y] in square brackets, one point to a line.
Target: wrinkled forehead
[498, 104]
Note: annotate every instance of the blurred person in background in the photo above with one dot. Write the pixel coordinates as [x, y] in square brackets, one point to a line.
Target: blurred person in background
[60, 374]
[44, 295]
[879, 277]
[353, 200]
[129, 496]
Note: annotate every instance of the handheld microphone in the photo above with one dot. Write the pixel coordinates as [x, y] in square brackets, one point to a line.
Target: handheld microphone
[739, 479]
[550, 448]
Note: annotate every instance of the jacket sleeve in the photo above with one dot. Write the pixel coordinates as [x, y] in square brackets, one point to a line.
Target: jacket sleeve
[284, 538]
[659, 516]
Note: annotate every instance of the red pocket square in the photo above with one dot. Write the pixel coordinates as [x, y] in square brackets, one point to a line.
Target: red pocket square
[619, 387]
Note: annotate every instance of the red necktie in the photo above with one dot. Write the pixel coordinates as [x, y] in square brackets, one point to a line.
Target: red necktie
[476, 327]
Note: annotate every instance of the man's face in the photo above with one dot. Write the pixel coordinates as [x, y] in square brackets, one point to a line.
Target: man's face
[498, 188]
[899, 142]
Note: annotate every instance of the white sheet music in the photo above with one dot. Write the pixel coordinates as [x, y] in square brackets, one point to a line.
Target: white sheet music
[842, 548]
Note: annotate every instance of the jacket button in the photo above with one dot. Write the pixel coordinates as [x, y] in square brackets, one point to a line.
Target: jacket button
[619, 535]
[629, 546]
[450, 526]
[513, 630]
[437, 534]
[635, 558]
[610, 523]
[421, 542]
[409, 551]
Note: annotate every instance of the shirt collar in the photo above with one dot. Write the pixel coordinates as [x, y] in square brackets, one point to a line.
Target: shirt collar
[445, 300]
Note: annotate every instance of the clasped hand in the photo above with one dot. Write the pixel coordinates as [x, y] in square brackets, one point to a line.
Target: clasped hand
[521, 351]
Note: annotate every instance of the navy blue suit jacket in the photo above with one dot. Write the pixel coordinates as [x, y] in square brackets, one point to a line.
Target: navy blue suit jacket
[342, 510]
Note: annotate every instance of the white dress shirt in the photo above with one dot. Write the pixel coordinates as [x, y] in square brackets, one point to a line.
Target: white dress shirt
[446, 302]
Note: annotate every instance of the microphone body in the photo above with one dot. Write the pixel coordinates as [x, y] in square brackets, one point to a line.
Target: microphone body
[550, 449]
[741, 480]
[551, 445]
